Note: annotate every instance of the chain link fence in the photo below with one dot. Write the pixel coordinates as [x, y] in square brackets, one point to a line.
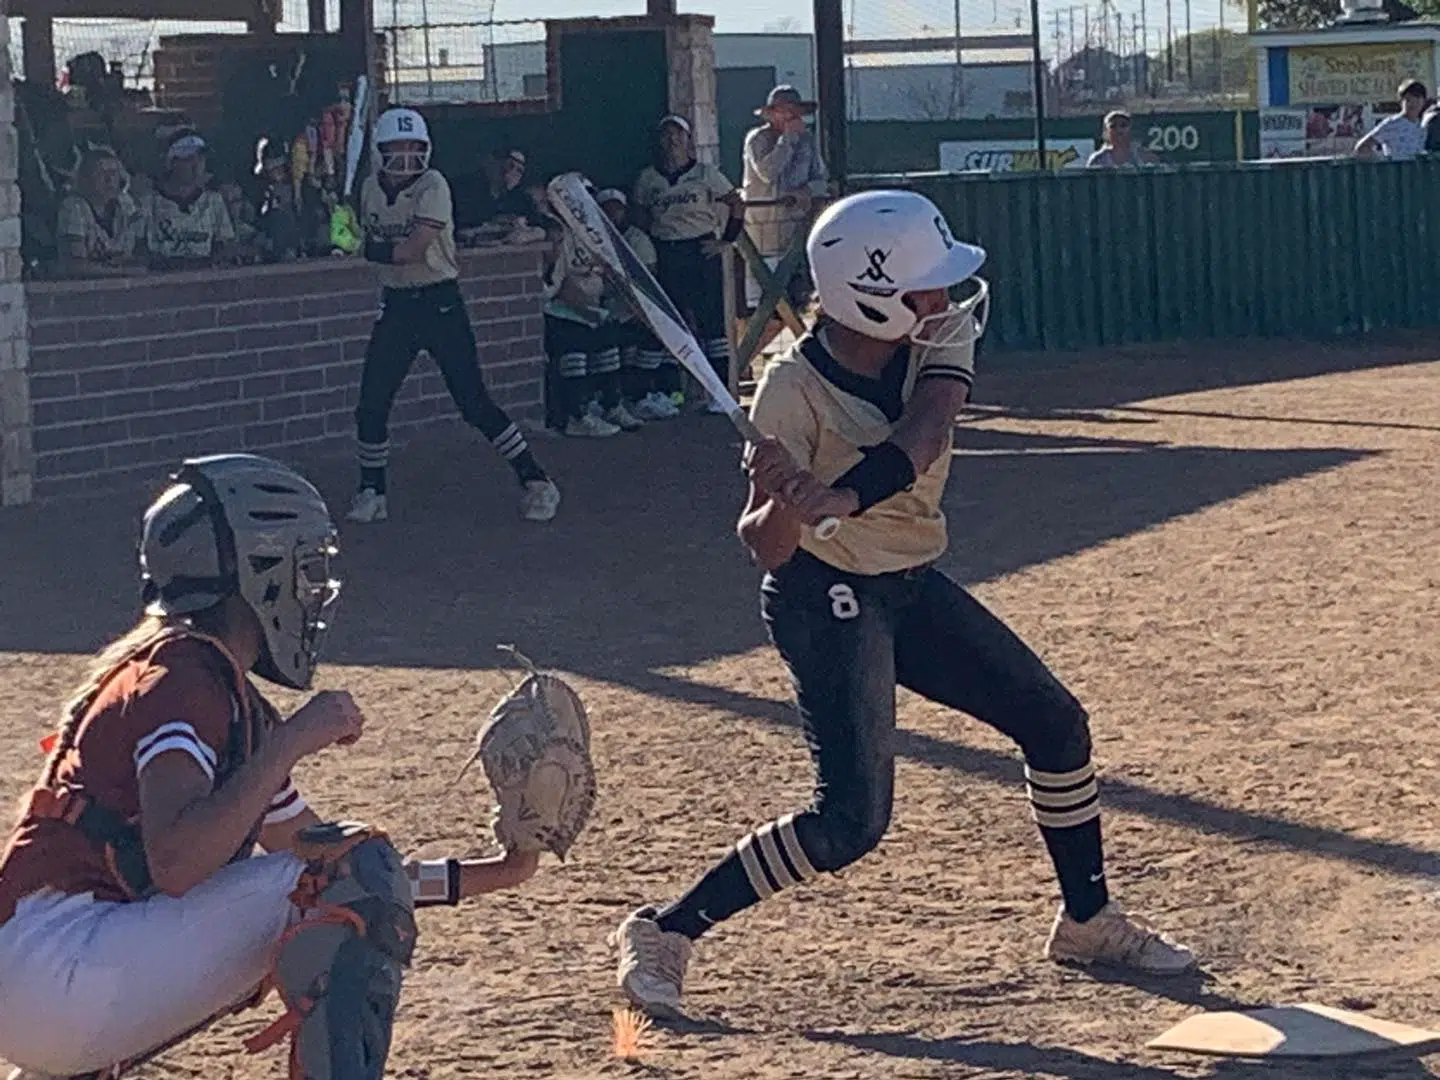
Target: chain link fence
[463, 63]
[446, 62]
[953, 60]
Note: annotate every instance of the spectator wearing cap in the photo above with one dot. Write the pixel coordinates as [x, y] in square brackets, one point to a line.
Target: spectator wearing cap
[1399, 136]
[187, 224]
[101, 228]
[692, 211]
[782, 164]
[641, 354]
[1119, 149]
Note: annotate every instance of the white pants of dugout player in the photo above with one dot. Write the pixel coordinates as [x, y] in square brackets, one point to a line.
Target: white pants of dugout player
[87, 984]
[848, 640]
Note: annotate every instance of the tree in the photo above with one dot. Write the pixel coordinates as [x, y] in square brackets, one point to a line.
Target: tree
[1311, 14]
[1235, 56]
[927, 99]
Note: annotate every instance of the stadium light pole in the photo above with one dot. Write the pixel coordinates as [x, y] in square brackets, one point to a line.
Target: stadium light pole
[1038, 62]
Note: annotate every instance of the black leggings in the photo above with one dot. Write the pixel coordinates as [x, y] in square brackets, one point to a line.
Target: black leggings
[695, 284]
[432, 318]
[849, 640]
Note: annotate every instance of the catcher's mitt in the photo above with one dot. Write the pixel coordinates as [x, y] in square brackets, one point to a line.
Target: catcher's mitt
[535, 750]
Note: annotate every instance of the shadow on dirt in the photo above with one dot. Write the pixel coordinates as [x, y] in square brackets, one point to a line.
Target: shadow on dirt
[1028, 1059]
[1174, 807]
[640, 571]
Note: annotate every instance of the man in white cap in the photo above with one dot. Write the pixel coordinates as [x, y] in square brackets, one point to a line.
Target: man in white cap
[782, 162]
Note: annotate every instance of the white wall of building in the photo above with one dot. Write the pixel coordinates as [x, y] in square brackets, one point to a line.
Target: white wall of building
[929, 91]
[791, 55]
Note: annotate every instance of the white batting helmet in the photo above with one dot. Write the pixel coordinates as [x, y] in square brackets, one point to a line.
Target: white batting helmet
[246, 526]
[398, 126]
[868, 251]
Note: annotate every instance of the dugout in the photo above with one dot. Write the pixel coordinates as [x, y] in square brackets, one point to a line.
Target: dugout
[112, 378]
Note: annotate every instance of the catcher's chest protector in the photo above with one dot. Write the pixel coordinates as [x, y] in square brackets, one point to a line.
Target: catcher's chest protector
[339, 970]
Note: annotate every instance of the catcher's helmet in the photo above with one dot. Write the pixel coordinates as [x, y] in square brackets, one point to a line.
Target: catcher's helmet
[246, 526]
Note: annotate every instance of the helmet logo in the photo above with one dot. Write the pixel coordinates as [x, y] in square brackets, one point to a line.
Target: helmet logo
[944, 231]
[876, 270]
[404, 123]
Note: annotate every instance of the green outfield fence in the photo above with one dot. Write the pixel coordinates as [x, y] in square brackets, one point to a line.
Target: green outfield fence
[1279, 249]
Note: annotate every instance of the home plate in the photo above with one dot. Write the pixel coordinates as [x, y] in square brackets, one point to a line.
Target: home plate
[1294, 1031]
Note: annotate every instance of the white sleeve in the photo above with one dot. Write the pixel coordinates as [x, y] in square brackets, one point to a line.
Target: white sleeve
[289, 803]
[177, 737]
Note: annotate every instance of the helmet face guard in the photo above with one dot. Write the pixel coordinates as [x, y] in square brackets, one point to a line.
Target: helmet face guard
[962, 323]
[296, 626]
[402, 144]
[404, 163]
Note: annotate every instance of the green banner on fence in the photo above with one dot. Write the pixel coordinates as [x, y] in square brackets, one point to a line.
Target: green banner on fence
[1283, 249]
[892, 146]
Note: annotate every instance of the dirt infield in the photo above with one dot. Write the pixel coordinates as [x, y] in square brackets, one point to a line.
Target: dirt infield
[1230, 555]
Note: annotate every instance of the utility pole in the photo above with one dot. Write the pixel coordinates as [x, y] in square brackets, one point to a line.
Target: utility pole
[1220, 52]
[1169, 43]
[1189, 49]
[1145, 47]
[1089, 67]
[1039, 64]
[1139, 59]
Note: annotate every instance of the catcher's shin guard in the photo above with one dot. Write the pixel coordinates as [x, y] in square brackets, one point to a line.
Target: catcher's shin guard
[339, 969]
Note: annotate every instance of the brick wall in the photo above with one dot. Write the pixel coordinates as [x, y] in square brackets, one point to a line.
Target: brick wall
[128, 377]
[16, 459]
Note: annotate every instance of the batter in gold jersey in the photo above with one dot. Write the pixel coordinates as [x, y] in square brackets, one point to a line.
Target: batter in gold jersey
[858, 420]
[410, 237]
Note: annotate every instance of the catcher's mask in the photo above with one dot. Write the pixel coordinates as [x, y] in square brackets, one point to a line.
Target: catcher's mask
[246, 526]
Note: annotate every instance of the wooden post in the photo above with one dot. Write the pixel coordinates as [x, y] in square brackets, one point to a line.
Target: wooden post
[37, 37]
[727, 262]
